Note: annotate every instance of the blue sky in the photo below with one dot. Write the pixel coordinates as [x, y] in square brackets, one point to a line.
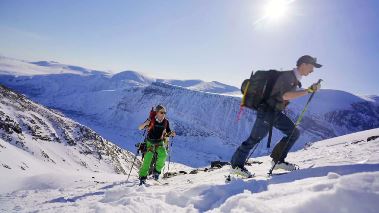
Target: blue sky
[199, 39]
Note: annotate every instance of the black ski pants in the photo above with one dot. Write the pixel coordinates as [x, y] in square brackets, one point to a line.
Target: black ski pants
[260, 130]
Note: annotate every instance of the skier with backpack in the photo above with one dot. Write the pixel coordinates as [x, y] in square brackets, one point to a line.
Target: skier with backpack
[269, 92]
[158, 128]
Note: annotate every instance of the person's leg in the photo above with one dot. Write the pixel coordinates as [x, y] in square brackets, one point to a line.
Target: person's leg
[161, 158]
[259, 131]
[287, 127]
[144, 170]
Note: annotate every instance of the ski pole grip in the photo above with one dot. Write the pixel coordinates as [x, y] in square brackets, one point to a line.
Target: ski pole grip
[319, 81]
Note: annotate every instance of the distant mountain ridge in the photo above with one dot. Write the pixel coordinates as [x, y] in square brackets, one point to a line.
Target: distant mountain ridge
[14, 67]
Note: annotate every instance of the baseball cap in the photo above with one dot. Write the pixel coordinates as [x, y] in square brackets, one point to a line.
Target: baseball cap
[308, 60]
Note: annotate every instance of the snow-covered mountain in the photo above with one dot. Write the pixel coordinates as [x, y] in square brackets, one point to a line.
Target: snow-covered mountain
[23, 68]
[204, 118]
[15, 67]
[338, 175]
[199, 85]
[36, 140]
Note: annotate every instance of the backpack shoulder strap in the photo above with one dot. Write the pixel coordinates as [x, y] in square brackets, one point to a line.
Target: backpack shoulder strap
[274, 75]
[151, 124]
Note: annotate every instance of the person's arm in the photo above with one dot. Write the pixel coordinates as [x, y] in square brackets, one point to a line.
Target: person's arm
[142, 126]
[169, 132]
[294, 94]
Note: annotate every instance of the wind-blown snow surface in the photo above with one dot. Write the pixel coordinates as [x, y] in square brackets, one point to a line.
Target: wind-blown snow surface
[340, 175]
[202, 115]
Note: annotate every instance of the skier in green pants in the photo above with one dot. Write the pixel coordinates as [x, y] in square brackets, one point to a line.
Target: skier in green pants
[158, 128]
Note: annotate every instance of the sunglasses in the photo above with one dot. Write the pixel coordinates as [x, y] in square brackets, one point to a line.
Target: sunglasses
[162, 112]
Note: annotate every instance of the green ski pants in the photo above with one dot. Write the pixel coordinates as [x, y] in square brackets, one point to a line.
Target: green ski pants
[161, 157]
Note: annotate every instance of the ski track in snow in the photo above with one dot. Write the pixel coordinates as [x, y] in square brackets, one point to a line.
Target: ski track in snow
[345, 178]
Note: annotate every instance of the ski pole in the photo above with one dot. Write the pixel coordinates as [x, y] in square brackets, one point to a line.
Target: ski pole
[169, 154]
[135, 156]
[255, 147]
[169, 157]
[296, 124]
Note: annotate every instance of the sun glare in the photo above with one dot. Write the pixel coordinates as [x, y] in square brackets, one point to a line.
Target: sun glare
[275, 10]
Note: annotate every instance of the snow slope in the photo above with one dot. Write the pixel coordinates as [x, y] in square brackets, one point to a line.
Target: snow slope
[340, 175]
[35, 140]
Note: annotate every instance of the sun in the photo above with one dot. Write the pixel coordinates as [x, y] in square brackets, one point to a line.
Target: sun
[275, 10]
